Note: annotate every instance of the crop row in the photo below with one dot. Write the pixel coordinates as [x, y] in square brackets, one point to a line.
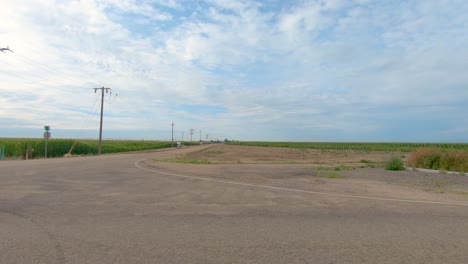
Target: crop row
[16, 147]
[358, 146]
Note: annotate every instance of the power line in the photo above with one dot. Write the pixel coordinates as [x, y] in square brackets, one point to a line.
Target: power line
[34, 78]
[43, 67]
[24, 80]
[40, 66]
[85, 124]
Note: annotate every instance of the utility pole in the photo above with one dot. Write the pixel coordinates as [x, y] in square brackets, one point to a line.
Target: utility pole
[191, 134]
[200, 135]
[182, 137]
[102, 112]
[5, 49]
[172, 124]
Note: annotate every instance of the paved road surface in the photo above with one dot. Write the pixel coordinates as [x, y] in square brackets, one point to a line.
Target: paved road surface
[107, 210]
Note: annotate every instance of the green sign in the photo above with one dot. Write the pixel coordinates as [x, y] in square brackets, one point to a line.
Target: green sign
[46, 128]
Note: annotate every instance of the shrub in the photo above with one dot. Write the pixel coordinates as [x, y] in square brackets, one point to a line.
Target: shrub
[395, 163]
[436, 159]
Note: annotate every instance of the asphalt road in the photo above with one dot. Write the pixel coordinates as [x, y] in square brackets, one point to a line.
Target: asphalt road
[107, 210]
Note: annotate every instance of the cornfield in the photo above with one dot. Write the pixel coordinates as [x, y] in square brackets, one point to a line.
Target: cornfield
[16, 147]
[357, 146]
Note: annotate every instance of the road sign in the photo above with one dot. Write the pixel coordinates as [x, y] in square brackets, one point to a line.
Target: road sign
[46, 128]
[47, 135]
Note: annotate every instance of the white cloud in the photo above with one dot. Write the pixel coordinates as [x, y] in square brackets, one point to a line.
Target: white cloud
[320, 64]
[139, 8]
[302, 19]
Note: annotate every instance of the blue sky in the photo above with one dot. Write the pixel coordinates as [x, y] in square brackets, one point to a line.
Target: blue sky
[337, 70]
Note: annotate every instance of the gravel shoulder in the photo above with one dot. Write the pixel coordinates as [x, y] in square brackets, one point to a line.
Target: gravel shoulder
[330, 171]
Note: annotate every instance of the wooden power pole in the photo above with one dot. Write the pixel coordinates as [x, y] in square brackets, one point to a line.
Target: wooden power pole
[102, 112]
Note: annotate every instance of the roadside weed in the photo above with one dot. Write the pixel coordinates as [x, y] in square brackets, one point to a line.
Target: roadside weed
[334, 175]
[395, 163]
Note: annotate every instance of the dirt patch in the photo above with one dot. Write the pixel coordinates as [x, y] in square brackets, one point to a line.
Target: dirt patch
[328, 170]
[230, 154]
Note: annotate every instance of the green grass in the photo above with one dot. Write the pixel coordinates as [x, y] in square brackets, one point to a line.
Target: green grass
[334, 175]
[16, 147]
[357, 146]
[324, 172]
[320, 168]
[342, 167]
[214, 152]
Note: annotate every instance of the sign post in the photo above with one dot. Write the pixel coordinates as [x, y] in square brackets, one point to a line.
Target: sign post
[2, 152]
[46, 137]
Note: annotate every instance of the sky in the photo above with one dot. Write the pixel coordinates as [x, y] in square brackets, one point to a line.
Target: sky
[272, 70]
